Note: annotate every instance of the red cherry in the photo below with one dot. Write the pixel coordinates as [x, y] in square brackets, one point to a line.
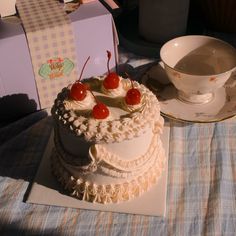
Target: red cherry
[100, 111]
[111, 81]
[133, 97]
[78, 91]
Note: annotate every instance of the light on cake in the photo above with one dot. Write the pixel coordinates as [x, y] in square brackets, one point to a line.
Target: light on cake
[112, 79]
[78, 90]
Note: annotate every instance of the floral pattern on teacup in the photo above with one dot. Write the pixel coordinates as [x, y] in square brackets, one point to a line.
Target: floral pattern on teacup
[212, 79]
[177, 75]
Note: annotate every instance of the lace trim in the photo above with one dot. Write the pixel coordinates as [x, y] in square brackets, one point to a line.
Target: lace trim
[110, 193]
[126, 127]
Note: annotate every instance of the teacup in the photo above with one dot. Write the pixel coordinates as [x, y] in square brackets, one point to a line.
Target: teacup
[198, 66]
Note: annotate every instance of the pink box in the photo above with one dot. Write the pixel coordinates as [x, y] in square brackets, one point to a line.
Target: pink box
[95, 33]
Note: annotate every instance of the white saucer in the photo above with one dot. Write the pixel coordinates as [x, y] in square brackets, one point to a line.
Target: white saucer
[222, 106]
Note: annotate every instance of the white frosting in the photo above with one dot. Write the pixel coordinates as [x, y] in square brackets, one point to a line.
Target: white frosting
[108, 160]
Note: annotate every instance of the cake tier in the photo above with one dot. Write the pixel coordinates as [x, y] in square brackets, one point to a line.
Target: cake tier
[124, 122]
[106, 184]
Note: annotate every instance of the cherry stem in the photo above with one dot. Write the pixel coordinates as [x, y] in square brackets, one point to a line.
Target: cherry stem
[97, 101]
[132, 83]
[108, 61]
[83, 68]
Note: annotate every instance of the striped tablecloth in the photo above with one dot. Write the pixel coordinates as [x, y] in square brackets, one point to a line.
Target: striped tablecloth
[201, 197]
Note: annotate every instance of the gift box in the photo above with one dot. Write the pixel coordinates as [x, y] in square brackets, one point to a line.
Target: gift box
[94, 34]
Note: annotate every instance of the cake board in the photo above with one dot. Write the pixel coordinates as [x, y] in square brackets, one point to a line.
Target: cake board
[46, 190]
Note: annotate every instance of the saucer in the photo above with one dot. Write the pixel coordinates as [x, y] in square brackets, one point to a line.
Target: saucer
[221, 107]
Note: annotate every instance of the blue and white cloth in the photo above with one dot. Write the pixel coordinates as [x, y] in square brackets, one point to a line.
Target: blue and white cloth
[201, 193]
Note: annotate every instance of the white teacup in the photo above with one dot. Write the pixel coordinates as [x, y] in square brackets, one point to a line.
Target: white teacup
[197, 66]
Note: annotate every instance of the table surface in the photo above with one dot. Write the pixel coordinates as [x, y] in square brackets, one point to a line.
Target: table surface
[201, 192]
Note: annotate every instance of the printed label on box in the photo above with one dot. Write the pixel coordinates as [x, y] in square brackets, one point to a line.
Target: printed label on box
[56, 68]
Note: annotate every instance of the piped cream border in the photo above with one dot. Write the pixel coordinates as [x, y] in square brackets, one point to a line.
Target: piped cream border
[110, 193]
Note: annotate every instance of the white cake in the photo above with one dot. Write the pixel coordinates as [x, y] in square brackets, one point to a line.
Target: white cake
[113, 159]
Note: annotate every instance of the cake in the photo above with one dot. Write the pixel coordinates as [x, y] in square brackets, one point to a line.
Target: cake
[107, 146]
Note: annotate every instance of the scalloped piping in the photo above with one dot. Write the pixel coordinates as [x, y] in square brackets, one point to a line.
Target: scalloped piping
[132, 171]
[110, 193]
[111, 169]
[113, 160]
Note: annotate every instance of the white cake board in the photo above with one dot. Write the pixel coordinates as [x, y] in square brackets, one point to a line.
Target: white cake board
[46, 190]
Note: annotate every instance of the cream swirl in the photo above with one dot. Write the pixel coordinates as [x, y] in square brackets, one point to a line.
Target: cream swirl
[119, 91]
[132, 108]
[87, 103]
[126, 83]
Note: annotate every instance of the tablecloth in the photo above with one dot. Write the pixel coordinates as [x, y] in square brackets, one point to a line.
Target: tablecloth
[201, 192]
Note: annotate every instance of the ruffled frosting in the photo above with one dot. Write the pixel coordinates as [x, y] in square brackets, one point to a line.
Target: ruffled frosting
[108, 193]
